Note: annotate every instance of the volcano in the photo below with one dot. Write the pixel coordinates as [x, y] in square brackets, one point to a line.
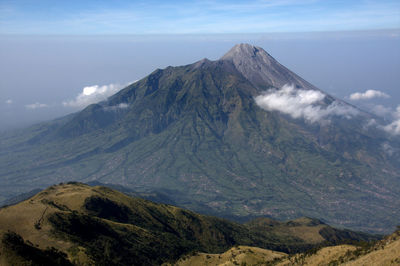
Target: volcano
[239, 137]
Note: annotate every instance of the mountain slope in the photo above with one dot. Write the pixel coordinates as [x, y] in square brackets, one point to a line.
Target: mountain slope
[384, 252]
[100, 226]
[196, 133]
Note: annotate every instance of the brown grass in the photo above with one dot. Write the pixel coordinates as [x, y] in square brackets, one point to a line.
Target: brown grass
[322, 257]
[29, 218]
[387, 252]
[240, 255]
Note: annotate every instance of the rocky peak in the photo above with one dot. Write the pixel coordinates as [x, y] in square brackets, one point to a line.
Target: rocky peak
[261, 69]
[246, 51]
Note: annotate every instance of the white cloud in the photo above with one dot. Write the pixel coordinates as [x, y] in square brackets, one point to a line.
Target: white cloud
[388, 149]
[369, 94]
[122, 105]
[9, 101]
[394, 127]
[116, 107]
[93, 94]
[305, 104]
[381, 110]
[389, 115]
[36, 105]
[371, 123]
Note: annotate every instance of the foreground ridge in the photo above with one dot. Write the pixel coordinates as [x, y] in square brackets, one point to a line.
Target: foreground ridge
[82, 225]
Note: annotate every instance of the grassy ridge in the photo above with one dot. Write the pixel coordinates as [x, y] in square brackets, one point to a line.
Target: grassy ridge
[101, 226]
[383, 252]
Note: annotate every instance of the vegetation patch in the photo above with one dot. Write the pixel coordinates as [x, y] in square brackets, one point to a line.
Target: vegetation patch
[107, 209]
[16, 252]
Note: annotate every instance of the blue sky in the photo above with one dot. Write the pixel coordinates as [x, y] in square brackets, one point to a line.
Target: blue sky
[180, 17]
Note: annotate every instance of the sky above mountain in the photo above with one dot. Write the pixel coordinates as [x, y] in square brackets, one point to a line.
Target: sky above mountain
[212, 16]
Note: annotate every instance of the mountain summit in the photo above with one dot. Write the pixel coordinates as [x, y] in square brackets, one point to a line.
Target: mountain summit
[261, 69]
[200, 136]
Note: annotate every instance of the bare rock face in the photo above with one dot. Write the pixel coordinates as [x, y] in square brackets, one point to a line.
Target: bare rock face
[260, 68]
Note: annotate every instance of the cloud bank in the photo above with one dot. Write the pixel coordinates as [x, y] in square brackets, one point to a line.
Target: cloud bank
[304, 104]
[36, 106]
[381, 110]
[369, 94]
[386, 112]
[93, 94]
[394, 127]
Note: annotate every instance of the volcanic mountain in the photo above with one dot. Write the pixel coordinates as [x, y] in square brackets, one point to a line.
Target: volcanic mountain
[238, 137]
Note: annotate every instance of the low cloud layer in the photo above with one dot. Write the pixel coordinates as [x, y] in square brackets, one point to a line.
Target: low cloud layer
[36, 106]
[369, 94]
[394, 127]
[381, 110]
[93, 94]
[305, 104]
